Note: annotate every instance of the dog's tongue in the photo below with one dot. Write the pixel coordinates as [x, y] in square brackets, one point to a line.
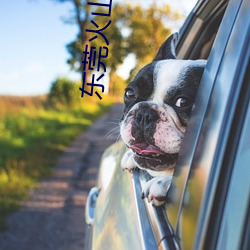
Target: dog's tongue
[145, 149]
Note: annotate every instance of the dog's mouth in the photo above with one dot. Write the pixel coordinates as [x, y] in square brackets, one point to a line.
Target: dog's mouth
[149, 152]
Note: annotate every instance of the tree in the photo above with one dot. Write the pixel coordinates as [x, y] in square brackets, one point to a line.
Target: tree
[134, 29]
[81, 19]
[118, 85]
[147, 32]
[64, 92]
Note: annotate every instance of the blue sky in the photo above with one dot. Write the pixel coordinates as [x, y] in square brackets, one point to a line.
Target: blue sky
[32, 44]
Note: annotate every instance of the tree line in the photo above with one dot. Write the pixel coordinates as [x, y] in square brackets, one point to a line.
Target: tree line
[134, 29]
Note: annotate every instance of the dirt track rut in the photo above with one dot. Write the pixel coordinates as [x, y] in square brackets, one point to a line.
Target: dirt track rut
[53, 218]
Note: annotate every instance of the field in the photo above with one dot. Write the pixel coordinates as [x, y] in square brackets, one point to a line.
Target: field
[32, 135]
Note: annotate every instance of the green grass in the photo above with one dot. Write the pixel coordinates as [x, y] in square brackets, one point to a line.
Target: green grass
[31, 139]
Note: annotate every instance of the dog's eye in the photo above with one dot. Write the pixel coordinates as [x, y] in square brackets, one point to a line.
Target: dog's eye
[130, 94]
[183, 102]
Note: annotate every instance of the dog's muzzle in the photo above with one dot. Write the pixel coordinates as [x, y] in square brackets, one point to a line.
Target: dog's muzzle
[145, 118]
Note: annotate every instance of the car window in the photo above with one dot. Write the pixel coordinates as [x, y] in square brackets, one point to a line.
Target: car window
[235, 212]
[165, 224]
[199, 31]
[208, 130]
[193, 129]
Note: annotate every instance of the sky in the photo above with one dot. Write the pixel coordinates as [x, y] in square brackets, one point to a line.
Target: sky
[32, 44]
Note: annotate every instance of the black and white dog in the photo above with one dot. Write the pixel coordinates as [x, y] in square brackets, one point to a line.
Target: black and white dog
[158, 103]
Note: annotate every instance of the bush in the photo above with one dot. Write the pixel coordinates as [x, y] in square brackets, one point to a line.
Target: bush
[64, 92]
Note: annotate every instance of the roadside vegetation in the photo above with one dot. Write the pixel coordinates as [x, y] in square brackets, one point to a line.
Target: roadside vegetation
[34, 131]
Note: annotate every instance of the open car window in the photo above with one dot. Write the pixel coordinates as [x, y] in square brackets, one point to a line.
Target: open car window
[197, 173]
[211, 26]
[213, 33]
[196, 41]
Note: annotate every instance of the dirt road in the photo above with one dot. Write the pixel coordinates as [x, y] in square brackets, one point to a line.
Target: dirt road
[53, 218]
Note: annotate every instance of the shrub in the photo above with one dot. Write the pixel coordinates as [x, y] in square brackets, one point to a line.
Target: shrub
[64, 92]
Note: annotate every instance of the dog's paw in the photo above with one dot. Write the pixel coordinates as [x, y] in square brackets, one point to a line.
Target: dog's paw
[156, 189]
[127, 162]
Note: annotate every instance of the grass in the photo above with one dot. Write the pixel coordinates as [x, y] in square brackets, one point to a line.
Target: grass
[31, 139]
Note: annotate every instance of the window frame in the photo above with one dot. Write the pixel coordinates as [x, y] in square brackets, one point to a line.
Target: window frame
[195, 139]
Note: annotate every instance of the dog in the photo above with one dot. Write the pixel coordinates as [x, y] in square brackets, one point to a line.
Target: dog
[158, 102]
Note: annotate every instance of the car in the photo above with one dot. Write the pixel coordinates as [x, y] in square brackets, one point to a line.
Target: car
[208, 204]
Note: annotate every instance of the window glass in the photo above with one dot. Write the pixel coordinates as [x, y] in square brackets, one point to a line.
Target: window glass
[236, 206]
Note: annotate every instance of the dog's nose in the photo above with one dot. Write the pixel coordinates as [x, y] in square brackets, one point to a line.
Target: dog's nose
[145, 117]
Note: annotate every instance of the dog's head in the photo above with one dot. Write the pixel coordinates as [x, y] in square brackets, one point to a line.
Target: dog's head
[158, 103]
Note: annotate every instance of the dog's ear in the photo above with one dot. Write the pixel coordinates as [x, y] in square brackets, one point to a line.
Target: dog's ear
[167, 49]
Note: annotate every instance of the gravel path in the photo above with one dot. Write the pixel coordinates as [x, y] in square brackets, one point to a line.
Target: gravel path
[53, 218]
